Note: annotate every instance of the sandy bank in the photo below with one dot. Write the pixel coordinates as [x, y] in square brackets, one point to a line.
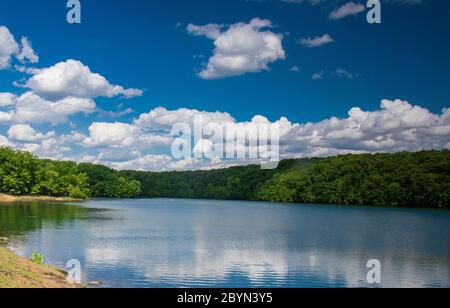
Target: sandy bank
[9, 198]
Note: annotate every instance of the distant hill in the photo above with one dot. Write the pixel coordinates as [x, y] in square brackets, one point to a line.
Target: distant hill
[420, 179]
[405, 179]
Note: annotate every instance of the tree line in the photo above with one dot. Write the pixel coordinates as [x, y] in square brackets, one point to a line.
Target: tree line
[420, 179]
[399, 180]
[22, 173]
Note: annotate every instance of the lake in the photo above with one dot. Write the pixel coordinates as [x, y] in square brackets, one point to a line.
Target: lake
[198, 243]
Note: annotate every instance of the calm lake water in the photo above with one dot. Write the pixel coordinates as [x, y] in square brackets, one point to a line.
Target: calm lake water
[192, 243]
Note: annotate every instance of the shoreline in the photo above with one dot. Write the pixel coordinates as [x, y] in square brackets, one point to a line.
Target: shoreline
[11, 199]
[18, 272]
[5, 198]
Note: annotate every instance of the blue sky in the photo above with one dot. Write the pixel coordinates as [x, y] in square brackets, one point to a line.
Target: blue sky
[146, 45]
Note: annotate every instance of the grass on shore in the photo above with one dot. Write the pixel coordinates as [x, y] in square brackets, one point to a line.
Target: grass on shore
[17, 272]
[9, 198]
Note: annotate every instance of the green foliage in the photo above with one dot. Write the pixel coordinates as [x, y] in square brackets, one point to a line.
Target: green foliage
[107, 183]
[236, 183]
[21, 173]
[38, 258]
[402, 180]
[284, 187]
[419, 179]
[60, 179]
[16, 171]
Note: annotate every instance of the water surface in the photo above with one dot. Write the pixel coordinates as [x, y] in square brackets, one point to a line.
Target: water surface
[193, 243]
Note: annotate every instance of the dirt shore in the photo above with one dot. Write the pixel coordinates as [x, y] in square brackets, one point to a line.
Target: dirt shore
[9, 198]
[17, 272]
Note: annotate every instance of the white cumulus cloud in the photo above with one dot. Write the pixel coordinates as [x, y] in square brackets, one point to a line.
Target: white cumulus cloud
[161, 119]
[122, 135]
[31, 108]
[27, 53]
[74, 79]
[397, 126]
[4, 142]
[7, 99]
[348, 9]
[242, 48]
[25, 133]
[10, 48]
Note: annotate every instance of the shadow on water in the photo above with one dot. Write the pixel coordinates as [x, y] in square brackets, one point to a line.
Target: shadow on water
[20, 218]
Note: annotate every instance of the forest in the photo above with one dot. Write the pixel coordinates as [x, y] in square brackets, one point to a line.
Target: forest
[22, 173]
[420, 179]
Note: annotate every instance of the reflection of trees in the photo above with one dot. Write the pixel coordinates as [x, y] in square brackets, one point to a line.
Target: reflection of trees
[19, 218]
